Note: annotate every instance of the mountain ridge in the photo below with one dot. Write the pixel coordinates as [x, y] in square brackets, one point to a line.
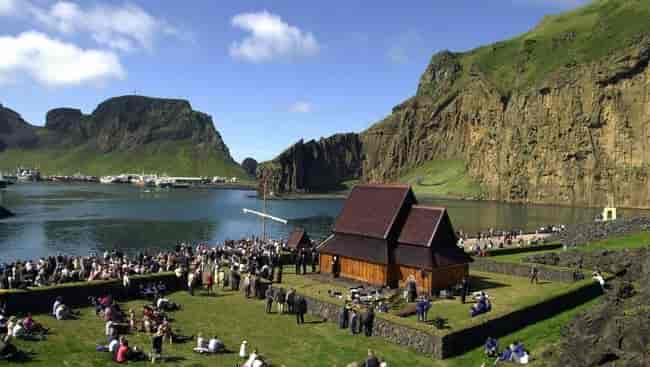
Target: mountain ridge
[161, 135]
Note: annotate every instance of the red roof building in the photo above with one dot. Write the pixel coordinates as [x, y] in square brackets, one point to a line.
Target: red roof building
[382, 237]
[298, 239]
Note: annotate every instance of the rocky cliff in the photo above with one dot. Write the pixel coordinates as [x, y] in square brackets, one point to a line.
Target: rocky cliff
[128, 133]
[557, 115]
[314, 166]
[250, 166]
[14, 131]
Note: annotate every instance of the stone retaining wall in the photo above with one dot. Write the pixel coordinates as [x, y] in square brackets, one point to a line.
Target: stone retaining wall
[580, 234]
[405, 336]
[40, 300]
[522, 270]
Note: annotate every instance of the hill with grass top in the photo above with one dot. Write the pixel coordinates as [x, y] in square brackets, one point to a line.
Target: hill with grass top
[556, 115]
[124, 134]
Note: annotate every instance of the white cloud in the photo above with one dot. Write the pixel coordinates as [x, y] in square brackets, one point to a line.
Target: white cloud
[123, 27]
[55, 63]
[271, 38]
[300, 107]
[8, 7]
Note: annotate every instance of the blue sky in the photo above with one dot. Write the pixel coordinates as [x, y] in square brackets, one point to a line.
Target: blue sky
[268, 72]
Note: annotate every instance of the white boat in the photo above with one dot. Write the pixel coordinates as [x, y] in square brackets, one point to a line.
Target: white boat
[164, 182]
[107, 179]
[28, 175]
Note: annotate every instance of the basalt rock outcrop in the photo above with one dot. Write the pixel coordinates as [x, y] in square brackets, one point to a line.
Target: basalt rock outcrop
[14, 131]
[557, 115]
[250, 166]
[314, 166]
[165, 135]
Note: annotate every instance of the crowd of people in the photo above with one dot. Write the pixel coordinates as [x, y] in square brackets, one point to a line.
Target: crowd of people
[243, 254]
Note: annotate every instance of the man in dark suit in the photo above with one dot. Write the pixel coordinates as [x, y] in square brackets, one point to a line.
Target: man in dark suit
[301, 309]
[269, 299]
[369, 321]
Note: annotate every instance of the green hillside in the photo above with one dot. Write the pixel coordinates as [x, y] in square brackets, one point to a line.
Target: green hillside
[177, 158]
[560, 43]
[442, 178]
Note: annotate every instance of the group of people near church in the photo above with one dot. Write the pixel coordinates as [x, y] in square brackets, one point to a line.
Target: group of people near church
[357, 318]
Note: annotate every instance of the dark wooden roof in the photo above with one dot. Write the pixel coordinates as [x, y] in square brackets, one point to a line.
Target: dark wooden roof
[371, 210]
[421, 225]
[428, 258]
[356, 247]
[298, 238]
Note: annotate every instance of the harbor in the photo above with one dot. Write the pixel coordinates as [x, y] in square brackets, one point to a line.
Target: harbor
[142, 180]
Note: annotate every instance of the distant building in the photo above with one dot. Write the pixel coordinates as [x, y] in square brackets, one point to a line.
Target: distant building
[382, 236]
[298, 239]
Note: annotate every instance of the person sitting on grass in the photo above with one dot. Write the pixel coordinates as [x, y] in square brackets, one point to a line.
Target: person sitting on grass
[125, 354]
[483, 305]
[33, 327]
[514, 353]
[201, 344]
[212, 346]
[164, 304]
[254, 360]
[491, 347]
[63, 312]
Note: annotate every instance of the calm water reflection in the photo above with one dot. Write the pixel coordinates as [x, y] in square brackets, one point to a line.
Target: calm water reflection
[80, 218]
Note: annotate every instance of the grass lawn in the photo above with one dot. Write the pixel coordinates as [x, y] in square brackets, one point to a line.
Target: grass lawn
[629, 241]
[232, 318]
[508, 293]
[448, 178]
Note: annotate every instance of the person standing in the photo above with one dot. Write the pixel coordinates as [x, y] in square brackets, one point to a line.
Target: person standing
[291, 300]
[301, 309]
[279, 275]
[344, 317]
[354, 322]
[369, 321]
[156, 346]
[298, 258]
[190, 283]
[314, 259]
[534, 274]
[269, 299]
[464, 289]
[303, 262]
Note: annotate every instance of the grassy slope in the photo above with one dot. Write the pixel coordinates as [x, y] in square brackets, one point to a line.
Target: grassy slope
[174, 158]
[448, 178]
[578, 37]
[630, 241]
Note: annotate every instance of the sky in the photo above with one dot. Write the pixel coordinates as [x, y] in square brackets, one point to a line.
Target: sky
[268, 72]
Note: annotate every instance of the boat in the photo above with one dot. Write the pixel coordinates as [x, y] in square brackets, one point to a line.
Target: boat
[28, 175]
[107, 179]
[164, 182]
[180, 185]
[3, 182]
